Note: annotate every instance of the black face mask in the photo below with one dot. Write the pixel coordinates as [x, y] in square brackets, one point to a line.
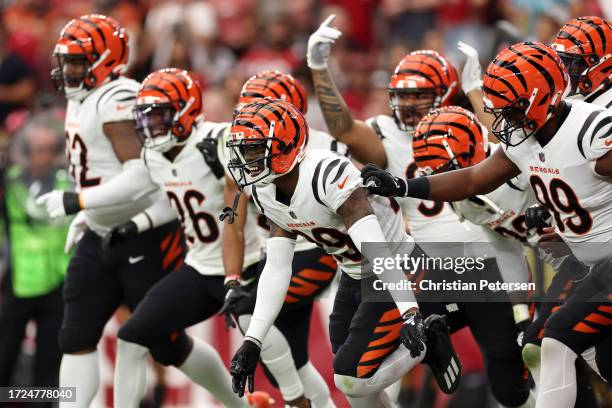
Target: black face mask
[153, 121]
[511, 119]
[575, 65]
[61, 80]
[407, 116]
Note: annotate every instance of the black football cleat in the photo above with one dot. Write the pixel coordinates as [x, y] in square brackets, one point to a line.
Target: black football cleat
[440, 355]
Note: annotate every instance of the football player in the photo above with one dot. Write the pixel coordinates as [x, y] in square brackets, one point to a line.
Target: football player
[563, 147]
[312, 268]
[318, 195]
[216, 244]
[422, 80]
[585, 47]
[169, 118]
[101, 142]
[452, 138]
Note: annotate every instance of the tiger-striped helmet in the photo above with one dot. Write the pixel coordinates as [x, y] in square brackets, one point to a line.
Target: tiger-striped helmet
[275, 85]
[449, 138]
[96, 43]
[523, 87]
[585, 47]
[422, 72]
[168, 107]
[267, 139]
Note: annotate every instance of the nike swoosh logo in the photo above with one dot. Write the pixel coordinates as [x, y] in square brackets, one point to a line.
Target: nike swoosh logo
[608, 142]
[136, 259]
[341, 185]
[122, 107]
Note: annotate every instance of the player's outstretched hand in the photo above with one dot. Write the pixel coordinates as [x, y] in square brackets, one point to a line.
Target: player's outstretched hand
[537, 216]
[320, 42]
[412, 332]
[471, 76]
[242, 368]
[120, 233]
[381, 182]
[234, 293]
[60, 203]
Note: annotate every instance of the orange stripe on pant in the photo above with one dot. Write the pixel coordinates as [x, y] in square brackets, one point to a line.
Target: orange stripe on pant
[599, 319]
[391, 326]
[174, 251]
[583, 328]
[301, 284]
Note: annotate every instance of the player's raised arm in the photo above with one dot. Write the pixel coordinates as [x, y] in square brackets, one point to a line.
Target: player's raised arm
[364, 144]
[451, 186]
[471, 83]
[271, 290]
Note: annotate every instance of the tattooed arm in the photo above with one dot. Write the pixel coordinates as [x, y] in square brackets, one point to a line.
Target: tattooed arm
[362, 140]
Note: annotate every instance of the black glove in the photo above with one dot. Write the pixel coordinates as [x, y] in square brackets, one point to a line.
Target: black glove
[242, 368]
[537, 216]
[412, 332]
[234, 293]
[380, 182]
[120, 233]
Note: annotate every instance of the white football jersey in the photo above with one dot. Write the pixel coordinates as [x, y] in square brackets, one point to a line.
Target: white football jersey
[325, 181]
[90, 154]
[502, 210]
[562, 177]
[324, 141]
[430, 221]
[316, 140]
[603, 97]
[197, 195]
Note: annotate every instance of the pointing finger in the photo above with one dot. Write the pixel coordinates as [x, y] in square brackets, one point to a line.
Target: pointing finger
[328, 20]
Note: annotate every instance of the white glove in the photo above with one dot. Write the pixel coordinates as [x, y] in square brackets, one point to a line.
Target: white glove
[471, 77]
[319, 44]
[54, 201]
[75, 231]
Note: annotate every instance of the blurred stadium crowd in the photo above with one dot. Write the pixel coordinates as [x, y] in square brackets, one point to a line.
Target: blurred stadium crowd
[226, 41]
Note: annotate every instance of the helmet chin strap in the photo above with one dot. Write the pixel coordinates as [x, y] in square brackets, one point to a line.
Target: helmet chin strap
[77, 94]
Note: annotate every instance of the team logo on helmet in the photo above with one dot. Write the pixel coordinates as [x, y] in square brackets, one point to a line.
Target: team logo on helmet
[585, 47]
[449, 138]
[523, 87]
[275, 85]
[92, 50]
[168, 107]
[427, 77]
[267, 139]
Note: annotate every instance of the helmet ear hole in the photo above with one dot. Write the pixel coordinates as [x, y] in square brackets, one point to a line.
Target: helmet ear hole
[282, 146]
[178, 129]
[532, 124]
